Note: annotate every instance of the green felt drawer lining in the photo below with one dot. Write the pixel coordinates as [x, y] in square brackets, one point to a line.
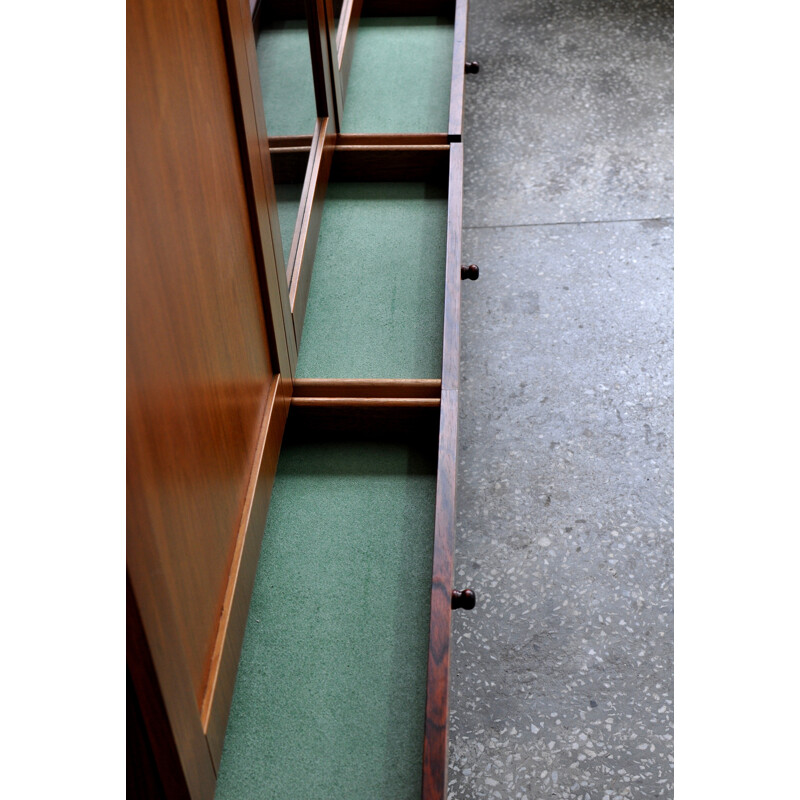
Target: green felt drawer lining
[376, 299]
[288, 196]
[287, 82]
[330, 693]
[400, 76]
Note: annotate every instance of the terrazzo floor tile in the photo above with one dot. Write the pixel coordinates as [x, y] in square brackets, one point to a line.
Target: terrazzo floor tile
[570, 117]
[562, 677]
[562, 682]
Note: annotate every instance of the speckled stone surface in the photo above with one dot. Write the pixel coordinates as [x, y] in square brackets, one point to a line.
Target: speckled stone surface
[570, 118]
[562, 681]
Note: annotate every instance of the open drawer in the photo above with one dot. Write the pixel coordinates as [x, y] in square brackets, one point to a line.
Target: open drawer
[401, 66]
[330, 696]
[342, 683]
[370, 300]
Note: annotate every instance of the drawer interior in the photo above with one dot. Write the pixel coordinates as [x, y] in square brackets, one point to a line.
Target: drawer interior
[287, 81]
[288, 196]
[376, 297]
[331, 688]
[400, 75]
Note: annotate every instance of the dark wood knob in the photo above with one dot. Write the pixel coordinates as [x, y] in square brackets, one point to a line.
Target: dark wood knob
[470, 273]
[463, 599]
[471, 67]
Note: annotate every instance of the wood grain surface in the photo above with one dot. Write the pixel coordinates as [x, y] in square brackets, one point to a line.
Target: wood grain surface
[304, 243]
[198, 363]
[346, 33]
[355, 402]
[452, 287]
[434, 749]
[245, 91]
[358, 387]
[233, 616]
[434, 758]
[410, 140]
[205, 338]
[456, 118]
[213, 330]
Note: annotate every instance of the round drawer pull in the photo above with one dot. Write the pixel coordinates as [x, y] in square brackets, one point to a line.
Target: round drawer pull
[470, 273]
[463, 599]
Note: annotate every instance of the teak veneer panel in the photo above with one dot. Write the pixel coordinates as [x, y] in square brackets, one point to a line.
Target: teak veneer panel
[199, 369]
[254, 148]
[206, 340]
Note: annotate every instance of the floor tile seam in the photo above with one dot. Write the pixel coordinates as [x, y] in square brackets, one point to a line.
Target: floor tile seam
[577, 222]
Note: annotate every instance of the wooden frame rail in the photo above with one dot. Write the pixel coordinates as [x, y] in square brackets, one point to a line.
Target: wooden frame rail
[434, 753]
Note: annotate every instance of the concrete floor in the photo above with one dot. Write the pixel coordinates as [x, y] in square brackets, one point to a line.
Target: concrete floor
[562, 677]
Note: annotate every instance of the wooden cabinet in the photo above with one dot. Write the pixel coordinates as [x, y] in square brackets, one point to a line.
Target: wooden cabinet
[293, 316]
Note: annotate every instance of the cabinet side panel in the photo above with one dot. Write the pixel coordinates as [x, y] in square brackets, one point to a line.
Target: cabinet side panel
[198, 368]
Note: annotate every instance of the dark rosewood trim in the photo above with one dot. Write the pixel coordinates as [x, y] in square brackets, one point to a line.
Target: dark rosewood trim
[233, 617]
[304, 244]
[452, 299]
[434, 748]
[325, 387]
[434, 751]
[457, 77]
[240, 50]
